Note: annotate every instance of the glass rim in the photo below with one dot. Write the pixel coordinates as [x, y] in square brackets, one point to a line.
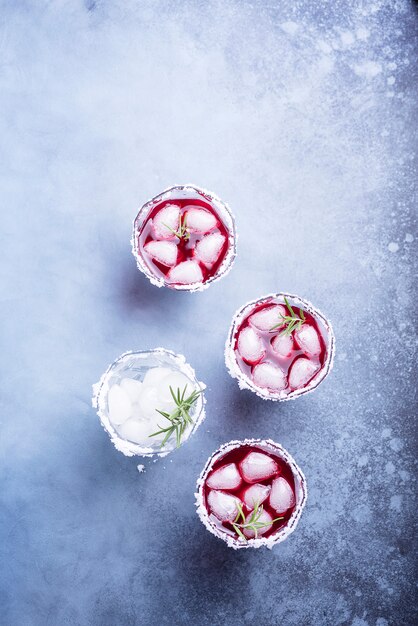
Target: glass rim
[301, 490]
[244, 381]
[225, 213]
[101, 389]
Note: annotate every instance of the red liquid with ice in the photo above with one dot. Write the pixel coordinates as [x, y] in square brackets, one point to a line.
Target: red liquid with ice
[186, 249]
[305, 345]
[236, 456]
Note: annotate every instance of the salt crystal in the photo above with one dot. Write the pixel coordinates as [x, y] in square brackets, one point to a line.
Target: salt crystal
[209, 248]
[255, 495]
[269, 376]
[301, 372]
[226, 477]
[167, 220]
[281, 496]
[223, 505]
[257, 466]
[199, 220]
[308, 339]
[163, 251]
[267, 318]
[250, 345]
[120, 406]
[186, 273]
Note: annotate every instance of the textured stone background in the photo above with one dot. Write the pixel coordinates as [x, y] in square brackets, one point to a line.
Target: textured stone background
[302, 116]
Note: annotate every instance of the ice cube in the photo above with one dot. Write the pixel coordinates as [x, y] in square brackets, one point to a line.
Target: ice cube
[301, 372]
[223, 505]
[209, 247]
[281, 496]
[186, 273]
[166, 221]
[250, 345]
[257, 466]
[255, 495]
[282, 344]
[308, 340]
[199, 220]
[226, 477]
[132, 387]
[269, 376]
[139, 431]
[155, 393]
[148, 403]
[262, 518]
[268, 318]
[119, 403]
[218, 524]
[175, 380]
[163, 251]
[155, 375]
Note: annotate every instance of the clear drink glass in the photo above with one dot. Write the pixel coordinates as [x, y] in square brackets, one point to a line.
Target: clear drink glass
[133, 391]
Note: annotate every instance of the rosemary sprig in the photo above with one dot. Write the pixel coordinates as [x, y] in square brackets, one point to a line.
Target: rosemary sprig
[291, 322]
[253, 522]
[179, 418]
[182, 232]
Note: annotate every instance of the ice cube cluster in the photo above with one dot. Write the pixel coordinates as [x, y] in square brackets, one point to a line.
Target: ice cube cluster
[251, 493]
[184, 238]
[133, 404]
[278, 360]
[135, 388]
[187, 241]
[254, 482]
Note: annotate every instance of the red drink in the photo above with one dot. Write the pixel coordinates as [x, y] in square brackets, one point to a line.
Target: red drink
[251, 493]
[184, 238]
[279, 347]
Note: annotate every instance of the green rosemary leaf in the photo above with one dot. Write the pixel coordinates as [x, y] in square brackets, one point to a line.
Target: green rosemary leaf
[239, 532]
[252, 523]
[182, 232]
[290, 322]
[180, 417]
[173, 395]
[292, 313]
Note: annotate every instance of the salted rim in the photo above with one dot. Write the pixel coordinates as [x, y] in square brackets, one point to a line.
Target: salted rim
[301, 493]
[223, 210]
[245, 383]
[101, 389]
